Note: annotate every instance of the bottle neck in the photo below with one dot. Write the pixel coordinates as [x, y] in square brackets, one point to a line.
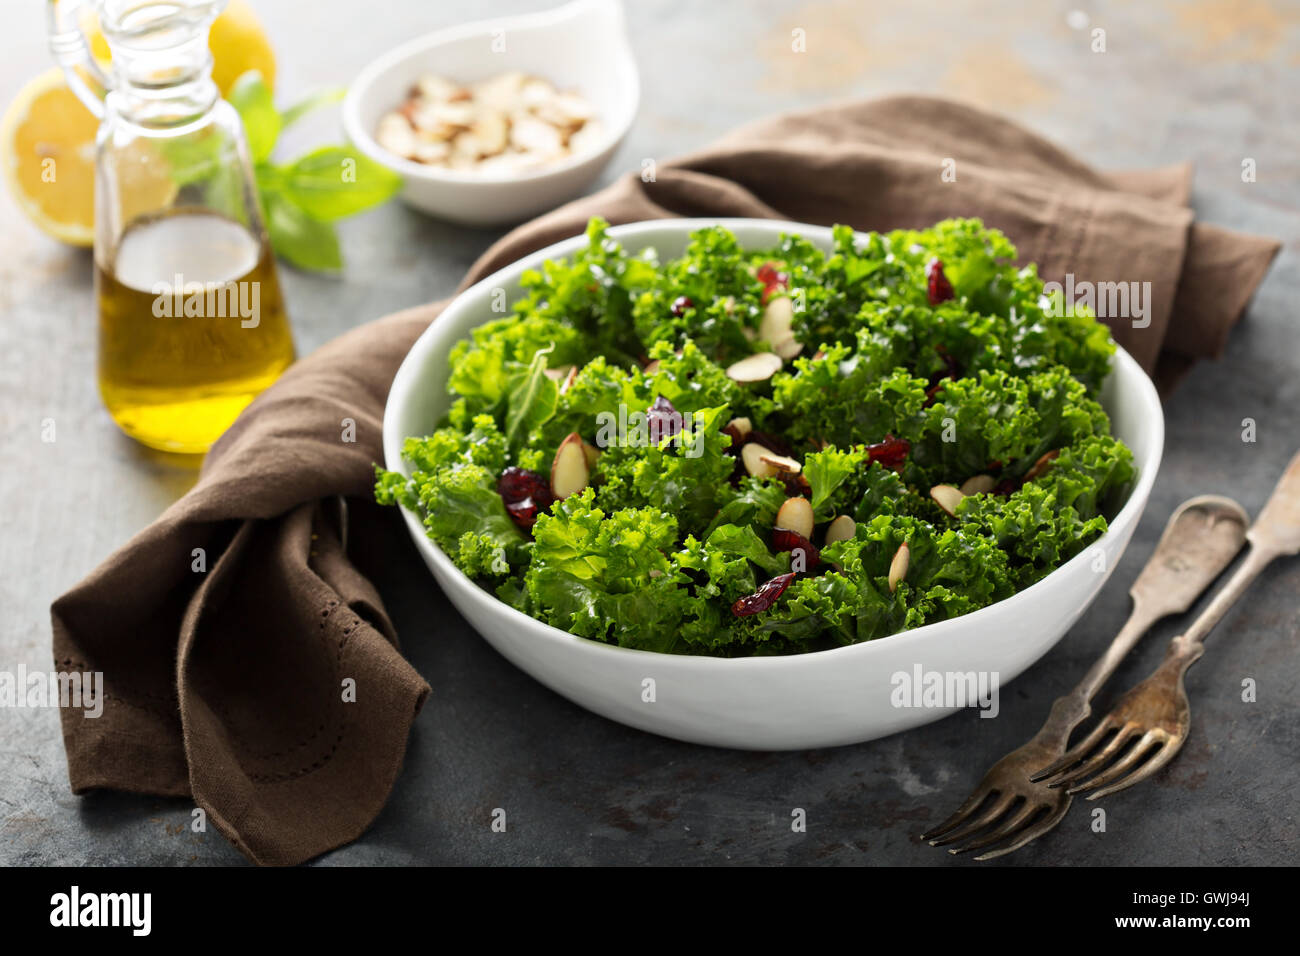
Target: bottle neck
[165, 87]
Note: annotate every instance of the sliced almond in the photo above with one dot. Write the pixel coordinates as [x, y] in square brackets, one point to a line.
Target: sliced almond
[947, 497]
[492, 130]
[978, 485]
[742, 425]
[898, 567]
[506, 126]
[460, 115]
[777, 323]
[535, 136]
[779, 462]
[569, 471]
[796, 514]
[559, 374]
[467, 146]
[395, 134]
[431, 154]
[592, 454]
[652, 368]
[569, 379]
[751, 455]
[433, 87]
[566, 109]
[502, 92]
[429, 122]
[535, 92]
[1044, 462]
[789, 348]
[758, 367]
[841, 529]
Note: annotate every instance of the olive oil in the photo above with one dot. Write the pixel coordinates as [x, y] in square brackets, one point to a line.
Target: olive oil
[192, 327]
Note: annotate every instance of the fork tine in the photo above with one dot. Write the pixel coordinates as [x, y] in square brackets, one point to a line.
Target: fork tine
[1028, 834]
[999, 806]
[1166, 752]
[1075, 753]
[972, 803]
[1119, 768]
[1097, 762]
[1013, 822]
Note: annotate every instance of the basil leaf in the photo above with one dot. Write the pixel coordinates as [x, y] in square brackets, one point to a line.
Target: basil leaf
[334, 182]
[306, 242]
[311, 103]
[262, 123]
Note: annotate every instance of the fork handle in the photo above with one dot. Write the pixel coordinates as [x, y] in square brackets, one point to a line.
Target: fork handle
[1257, 559]
[1070, 709]
[1138, 623]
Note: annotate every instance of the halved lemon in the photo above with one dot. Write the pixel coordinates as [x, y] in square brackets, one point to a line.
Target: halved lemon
[47, 151]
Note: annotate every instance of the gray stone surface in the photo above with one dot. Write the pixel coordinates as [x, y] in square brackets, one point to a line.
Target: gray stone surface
[1207, 80]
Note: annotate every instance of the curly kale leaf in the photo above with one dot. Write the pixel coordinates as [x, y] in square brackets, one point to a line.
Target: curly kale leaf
[608, 576]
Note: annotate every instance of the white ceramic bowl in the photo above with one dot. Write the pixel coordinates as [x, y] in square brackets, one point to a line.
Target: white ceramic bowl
[582, 46]
[821, 699]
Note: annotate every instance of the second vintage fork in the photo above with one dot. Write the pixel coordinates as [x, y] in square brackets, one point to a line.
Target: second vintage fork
[1008, 809]
[1148, 725]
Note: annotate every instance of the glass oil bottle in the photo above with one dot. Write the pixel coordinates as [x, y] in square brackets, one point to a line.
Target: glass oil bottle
[192, 324]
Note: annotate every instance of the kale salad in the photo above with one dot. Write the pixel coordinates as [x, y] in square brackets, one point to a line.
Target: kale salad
[745, 452]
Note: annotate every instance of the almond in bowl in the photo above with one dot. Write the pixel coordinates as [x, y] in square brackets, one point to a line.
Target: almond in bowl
[509, 124]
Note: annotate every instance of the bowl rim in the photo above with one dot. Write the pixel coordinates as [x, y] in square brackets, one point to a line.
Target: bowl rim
[403, 388]
[364, 139]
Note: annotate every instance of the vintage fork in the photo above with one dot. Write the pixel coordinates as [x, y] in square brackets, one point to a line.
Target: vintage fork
[1149, 724]
[1007, 809]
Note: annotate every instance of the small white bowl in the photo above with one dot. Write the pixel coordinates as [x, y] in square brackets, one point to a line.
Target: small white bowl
[821, 699]
[581, 46]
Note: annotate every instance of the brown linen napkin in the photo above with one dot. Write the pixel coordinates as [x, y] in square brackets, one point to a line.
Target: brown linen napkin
[226, 684]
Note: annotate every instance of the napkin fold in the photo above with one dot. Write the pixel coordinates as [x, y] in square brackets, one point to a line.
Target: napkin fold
[249, 665]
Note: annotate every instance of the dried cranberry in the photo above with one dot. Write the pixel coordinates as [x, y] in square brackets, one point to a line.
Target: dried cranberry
[525, 493]
[737, 439]
[795, 484]
[891, 452]
[954, 370]
[764, 597]
[663, 420]
[681, 304]
[1006, 486]
[516, 483]
[932, 392]
[783, 539]
[937, 285]
[773, 281]
[523, 513]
